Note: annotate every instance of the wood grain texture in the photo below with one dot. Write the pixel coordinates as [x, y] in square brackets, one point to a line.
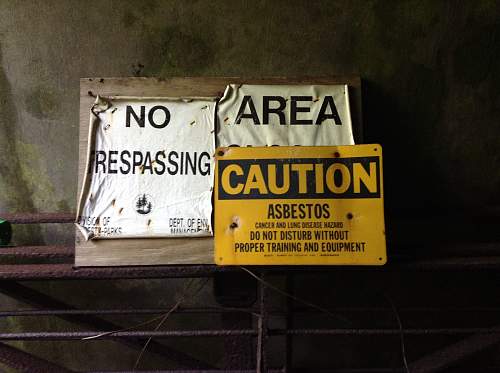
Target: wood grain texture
[156, 251]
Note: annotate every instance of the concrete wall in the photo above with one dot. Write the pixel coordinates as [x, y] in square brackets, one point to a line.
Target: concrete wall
[430, 69]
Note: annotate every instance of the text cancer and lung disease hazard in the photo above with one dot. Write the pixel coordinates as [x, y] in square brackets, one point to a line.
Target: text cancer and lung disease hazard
[267, 115]
[149, 168]
[309, 205]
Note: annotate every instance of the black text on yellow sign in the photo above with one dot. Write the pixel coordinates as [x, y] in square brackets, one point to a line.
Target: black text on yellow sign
[300, 205]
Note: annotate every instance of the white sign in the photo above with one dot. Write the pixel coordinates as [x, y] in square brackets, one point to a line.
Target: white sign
[149, 168]
[267, 115]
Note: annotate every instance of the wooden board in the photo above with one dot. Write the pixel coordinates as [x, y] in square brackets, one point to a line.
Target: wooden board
[158, 251]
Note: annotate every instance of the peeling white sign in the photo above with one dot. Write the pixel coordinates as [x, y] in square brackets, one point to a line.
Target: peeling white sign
[267, 115]
[149, 169]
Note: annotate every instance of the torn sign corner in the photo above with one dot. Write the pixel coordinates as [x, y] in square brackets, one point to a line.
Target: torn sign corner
[88, 235]
[228, 92]
[101, 104]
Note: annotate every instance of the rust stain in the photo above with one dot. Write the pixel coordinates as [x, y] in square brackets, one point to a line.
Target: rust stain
[235, 224]
[113, 202]
[149, 222]
[120, 211]
[193, 122]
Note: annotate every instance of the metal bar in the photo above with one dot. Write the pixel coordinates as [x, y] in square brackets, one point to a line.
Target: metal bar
[261, 334]
[414, 331]
[34, 297]
[139, 311]
[39, 218]
[63, 336]
[37, 252]
[216, 310]
[290, 289]
[398, 254]
[440, 250]
[261, 364]
[338, 370]
[25, 362]
[404, 213]
[194, 371]
[453, 264]
[448, 356]
[258, 359]
[67, 271]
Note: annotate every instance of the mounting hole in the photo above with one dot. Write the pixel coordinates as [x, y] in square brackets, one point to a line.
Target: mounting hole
[220, 153]
[349, 215]
[233, 225]
[336, 154]
[379, 258]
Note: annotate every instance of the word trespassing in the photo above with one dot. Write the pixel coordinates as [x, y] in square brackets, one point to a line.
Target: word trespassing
[159, 163]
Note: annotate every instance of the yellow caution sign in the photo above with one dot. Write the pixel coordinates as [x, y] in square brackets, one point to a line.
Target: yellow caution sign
[299, 205]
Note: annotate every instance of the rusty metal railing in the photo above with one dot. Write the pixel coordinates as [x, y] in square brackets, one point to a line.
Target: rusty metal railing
[259, 334]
